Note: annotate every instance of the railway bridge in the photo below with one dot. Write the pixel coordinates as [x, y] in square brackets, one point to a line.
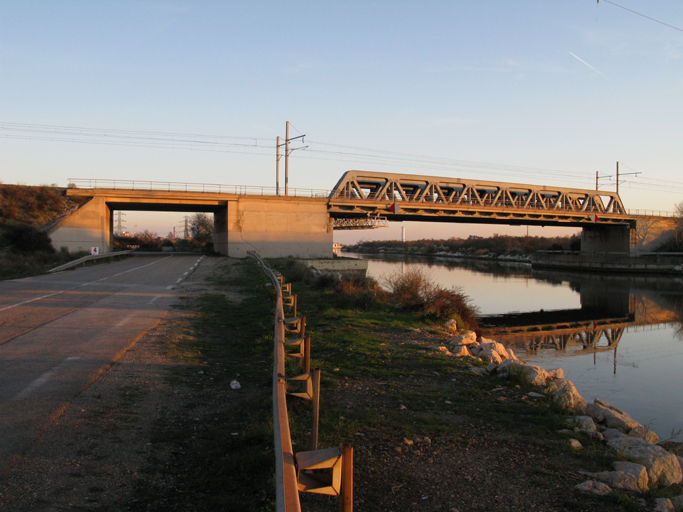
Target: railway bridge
[302, 223]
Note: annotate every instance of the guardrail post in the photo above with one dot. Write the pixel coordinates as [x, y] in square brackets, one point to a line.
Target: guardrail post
[315, 414]
[346, 493]
[307, 355]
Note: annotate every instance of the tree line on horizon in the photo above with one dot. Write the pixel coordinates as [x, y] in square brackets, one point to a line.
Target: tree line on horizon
[494, 245]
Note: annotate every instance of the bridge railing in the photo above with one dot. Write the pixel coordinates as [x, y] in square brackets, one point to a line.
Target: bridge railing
[174, 186]
[651, 213]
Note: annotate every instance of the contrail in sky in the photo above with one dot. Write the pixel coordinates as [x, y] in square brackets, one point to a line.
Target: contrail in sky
[586, 63]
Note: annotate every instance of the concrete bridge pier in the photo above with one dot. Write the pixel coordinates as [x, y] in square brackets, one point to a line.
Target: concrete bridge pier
[605, 238]
[642, 234]
[274, 227]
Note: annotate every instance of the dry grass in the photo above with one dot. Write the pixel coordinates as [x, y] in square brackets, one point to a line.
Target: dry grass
[415, 291]
[30, 205]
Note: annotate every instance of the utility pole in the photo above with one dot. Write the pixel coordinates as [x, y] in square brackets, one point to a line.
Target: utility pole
[287, 159]
[277, 167]
[287, 152]
[624, 174]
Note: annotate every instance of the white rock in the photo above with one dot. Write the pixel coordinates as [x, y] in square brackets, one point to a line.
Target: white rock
[613, 417]
[439, 348]
[567, 396]
[678, 503]
[478, 371]
[461, 351]
[451, 324]
[556, 374]
[535, 374]
[533, 394]
[663, 467]
[638, 471]
[644, 433]
[512, 355]
[663, 505]
[583, 423]
[490, 356]
[627, 475]
[493, 347]
[468, 338]
[594, 487]
[576, 444]
[595, 436]
[501, 367]
[474, 350]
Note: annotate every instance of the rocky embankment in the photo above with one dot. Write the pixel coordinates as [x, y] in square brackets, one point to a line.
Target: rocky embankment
[651, 466]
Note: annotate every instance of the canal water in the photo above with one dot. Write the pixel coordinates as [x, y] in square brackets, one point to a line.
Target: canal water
[617, 337]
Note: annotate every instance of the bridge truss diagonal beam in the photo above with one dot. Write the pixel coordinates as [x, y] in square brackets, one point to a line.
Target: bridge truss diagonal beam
[359, 193]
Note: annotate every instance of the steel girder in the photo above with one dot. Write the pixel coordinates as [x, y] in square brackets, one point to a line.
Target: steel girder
[360, 223]
[425, 195]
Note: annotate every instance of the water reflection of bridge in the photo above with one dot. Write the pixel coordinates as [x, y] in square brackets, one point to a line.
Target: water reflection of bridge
[609, 308]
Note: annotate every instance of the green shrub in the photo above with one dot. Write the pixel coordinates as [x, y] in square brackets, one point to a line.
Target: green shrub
[22, 238]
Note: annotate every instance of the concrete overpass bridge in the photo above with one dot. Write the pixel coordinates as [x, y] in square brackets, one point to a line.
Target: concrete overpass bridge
[301, 224]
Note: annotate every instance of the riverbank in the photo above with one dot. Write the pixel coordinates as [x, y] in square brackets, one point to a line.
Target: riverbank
[164, 431]
[650, 263]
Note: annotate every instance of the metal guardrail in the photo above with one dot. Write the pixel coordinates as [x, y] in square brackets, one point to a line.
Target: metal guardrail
[328, 471]
[172, 186]
[90, 257]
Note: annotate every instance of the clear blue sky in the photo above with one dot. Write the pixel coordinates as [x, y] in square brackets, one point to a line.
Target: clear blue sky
[543, 92]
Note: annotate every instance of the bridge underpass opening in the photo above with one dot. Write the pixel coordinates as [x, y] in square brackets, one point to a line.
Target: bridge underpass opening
[169, 225]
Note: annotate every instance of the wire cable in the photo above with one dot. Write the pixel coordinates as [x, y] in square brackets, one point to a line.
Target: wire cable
[641, 14]
[314, 151]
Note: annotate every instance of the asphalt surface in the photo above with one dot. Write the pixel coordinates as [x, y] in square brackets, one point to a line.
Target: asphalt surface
[59, 332]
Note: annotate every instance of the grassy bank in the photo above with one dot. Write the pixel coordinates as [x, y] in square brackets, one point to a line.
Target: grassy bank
[427, 432]
[222, 442]
[418, 418]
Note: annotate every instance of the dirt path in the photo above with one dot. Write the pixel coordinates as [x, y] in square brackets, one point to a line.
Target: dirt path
[95, 455]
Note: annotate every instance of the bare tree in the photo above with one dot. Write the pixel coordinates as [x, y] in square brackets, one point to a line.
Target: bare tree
[201, 227]
[679, 223]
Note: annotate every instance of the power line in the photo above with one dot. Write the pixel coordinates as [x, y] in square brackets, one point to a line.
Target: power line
[641, 14]
[315, 151]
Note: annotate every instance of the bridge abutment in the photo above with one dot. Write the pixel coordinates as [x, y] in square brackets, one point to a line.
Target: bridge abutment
[89, 226]
[651, 233]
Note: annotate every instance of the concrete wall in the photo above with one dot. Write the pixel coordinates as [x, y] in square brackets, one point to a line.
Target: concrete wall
[651, 233]
[275, 227]
[89, 226]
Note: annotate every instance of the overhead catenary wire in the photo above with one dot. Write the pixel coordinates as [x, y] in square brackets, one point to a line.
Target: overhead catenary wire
[314, 151]
[641, 14]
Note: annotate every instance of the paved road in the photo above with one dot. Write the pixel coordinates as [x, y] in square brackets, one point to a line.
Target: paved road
[58, 333]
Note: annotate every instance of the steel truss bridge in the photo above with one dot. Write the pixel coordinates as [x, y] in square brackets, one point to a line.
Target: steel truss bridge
[402, 197]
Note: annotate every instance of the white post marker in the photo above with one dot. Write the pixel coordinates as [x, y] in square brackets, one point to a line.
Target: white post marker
[94, 251]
